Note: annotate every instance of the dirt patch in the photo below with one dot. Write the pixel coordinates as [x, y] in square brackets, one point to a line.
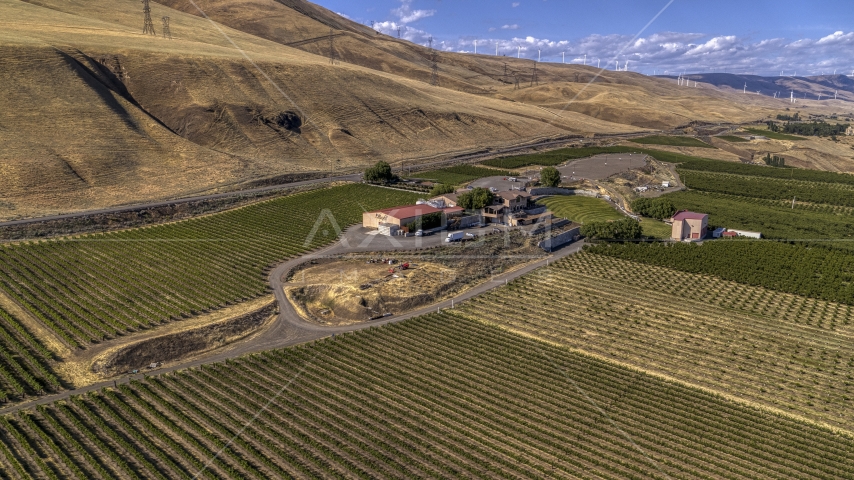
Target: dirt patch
[178, 346]
[359, 288]
[351, 291]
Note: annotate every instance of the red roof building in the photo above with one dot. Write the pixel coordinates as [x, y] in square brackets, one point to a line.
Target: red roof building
[690, 226]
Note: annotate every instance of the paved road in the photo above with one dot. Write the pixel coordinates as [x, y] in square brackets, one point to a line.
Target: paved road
[350, 177]
[289, 328]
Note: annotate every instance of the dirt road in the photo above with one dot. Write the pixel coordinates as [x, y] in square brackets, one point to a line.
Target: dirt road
[289, 328]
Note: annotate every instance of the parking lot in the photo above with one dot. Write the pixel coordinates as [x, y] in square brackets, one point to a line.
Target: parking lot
[358, 238]
[499, 183]
[600, 167]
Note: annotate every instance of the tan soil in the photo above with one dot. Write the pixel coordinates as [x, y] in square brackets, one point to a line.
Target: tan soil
[127, 118]
[351, 291]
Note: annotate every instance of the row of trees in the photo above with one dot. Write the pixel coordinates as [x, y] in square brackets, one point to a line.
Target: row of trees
[774, 161]
[625, 229]
[811, 129]
[659, 208]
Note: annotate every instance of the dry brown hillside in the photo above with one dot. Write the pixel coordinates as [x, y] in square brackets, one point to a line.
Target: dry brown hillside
[94, 114]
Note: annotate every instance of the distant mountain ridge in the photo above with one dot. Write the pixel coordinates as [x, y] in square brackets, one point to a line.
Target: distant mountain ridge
[825, 85]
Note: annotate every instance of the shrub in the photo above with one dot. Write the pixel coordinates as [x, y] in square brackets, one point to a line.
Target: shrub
[441, 189]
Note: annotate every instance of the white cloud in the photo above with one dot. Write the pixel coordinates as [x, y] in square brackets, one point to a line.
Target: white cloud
[686, 51]
[510, 27]
[516, 4]
[837, 38]
[343, 15]
[406, 14]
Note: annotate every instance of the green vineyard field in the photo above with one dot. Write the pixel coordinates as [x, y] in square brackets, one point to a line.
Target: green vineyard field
[673, 141]
[94, 287]
[821, 273]
[773, 135]
[838, 194]
[783, 351]
[733, 138]
[438, 396]
[24, 368]
[555, 157]
[701, 164]
[460, 174]
[775, 219]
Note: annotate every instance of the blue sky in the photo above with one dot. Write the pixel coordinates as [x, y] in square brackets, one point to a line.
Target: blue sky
[745, 36]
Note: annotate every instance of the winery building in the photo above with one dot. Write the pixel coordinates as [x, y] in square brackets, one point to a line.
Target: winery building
[397, 216]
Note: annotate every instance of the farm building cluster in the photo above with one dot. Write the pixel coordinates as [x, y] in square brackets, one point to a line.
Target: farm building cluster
[512, 208]
[692, 226]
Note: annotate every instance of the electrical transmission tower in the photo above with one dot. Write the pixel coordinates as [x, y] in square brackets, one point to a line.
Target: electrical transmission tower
[166, 32]
[331, 47]
[534, 78]
[434, 74]
[148, 27]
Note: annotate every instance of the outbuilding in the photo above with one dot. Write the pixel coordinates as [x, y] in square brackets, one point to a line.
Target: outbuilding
[690, 226]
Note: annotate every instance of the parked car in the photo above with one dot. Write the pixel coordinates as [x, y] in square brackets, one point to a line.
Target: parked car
[419, 233]
[470, 235]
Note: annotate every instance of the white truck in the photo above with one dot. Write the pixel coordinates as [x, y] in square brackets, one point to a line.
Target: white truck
[454, 237]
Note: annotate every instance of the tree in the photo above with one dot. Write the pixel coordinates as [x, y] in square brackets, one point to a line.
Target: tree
[475, 199]
[659, 208]
[426, 222]
[550, 177]
[441, 189]
[379, 173]
[625, 229]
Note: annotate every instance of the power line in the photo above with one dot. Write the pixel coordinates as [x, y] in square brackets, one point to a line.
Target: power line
[434, 73]
[331, 46]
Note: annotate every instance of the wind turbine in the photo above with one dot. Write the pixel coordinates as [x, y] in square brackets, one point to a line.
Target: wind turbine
[564, 57]
[745, 87]
[539, 55]
[475, 47]
[598, 60]
[585, 59]
[519, 53]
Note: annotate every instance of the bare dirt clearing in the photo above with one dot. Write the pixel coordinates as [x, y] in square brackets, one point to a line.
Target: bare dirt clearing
[351, 290]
